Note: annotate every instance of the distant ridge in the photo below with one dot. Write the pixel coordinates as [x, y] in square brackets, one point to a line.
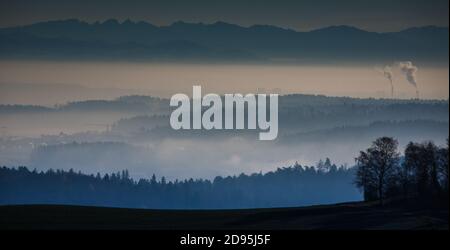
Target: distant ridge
[112, 39]
[146, 103]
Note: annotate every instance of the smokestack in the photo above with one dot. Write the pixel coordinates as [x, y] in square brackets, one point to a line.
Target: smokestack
[387, 72]
[409, 70]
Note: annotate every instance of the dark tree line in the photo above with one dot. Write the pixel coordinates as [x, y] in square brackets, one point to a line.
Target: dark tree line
[381, 172]
[289, 186]
[422, 173]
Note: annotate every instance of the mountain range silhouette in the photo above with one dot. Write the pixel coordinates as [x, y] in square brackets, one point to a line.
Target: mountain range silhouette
[111, 39]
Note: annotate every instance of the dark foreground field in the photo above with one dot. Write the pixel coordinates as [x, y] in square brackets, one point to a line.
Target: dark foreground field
[340, 216]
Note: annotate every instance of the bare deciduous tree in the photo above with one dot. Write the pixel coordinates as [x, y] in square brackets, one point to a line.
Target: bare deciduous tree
[378, 168]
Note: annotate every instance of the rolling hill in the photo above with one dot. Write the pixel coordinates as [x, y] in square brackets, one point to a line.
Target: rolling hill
[346, 216]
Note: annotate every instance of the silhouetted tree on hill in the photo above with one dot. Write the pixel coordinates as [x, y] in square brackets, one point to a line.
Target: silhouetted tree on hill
[428, 166]
[443, 156]
[423, 173]
[378, 167]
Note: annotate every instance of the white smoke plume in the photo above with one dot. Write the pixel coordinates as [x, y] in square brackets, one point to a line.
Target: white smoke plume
[388, 74]
[409, 70]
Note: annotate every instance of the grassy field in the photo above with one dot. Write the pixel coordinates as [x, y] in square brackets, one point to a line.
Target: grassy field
[347, 216]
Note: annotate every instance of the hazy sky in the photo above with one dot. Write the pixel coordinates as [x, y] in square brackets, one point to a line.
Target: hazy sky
[168, 79]
[379, 15]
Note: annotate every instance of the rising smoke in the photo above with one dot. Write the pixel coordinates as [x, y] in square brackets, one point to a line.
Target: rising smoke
[409, 70]
[387, 72]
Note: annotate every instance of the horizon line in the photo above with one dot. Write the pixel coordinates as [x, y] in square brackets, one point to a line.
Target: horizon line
[129, 20]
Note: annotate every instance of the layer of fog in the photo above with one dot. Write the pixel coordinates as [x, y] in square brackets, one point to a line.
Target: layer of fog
[312, 128]
[94, 141]
[191, 158]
